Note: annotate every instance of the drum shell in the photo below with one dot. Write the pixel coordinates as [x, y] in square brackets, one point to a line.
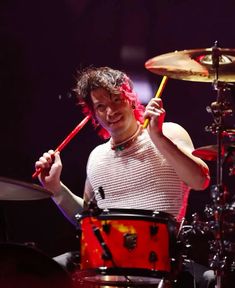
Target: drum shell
[154, 232]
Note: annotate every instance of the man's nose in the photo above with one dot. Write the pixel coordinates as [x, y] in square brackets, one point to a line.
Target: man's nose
[111, 109]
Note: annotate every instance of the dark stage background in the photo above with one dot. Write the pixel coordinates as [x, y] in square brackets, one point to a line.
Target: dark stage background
[42, 45]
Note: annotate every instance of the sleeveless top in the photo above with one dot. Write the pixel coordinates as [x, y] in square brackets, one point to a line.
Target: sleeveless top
[138, 177]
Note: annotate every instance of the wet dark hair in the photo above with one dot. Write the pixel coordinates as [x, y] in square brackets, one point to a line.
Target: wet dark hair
[115, 82]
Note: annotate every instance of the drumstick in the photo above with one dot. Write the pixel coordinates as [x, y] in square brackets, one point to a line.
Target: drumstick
[66, 140]
[158, 95]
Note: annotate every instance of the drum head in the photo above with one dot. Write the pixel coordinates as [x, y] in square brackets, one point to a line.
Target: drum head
[23, 266]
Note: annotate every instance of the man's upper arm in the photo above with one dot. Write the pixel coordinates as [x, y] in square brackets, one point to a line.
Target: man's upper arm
[178, 135]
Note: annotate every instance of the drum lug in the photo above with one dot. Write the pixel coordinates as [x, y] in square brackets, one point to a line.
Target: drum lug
[153, 230]
[106, 228]
[153, 257]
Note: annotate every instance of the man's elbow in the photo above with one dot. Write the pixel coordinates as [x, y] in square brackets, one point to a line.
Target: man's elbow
[202, 181]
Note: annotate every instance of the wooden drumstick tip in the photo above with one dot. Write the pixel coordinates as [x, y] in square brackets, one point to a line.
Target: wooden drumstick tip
[158, 95]
[36, 173]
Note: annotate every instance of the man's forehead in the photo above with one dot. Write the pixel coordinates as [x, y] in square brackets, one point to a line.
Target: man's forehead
[103, 94]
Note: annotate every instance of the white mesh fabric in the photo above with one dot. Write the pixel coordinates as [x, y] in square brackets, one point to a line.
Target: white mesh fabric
[138, 177]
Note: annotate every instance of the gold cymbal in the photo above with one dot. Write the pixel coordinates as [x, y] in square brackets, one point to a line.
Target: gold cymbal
[194, 65]
[20, 191]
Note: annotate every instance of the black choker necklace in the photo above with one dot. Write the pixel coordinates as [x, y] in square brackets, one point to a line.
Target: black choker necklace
[127, 143]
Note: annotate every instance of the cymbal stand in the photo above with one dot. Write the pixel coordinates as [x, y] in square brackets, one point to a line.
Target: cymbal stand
[219, 110]
[230, 158]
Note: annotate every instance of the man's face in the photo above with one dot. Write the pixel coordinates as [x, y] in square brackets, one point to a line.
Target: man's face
[112, 111]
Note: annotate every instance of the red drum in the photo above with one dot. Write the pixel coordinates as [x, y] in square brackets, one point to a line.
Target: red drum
[127, 246]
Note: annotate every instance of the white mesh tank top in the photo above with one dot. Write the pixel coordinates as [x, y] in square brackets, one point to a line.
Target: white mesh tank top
[137, 177]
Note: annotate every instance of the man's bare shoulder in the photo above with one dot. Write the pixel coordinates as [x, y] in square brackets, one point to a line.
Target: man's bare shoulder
[177, 134]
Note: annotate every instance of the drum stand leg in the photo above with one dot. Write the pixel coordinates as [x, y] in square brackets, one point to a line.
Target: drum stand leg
[218, 281]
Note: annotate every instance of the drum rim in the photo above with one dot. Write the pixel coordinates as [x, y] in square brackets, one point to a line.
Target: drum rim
[122, 213]
[147, 276]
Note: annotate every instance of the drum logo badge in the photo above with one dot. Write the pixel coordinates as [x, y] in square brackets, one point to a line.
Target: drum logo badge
[130, 240]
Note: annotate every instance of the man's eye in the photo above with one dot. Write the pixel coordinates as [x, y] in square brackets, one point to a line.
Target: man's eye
[100, 107]
[117, 100]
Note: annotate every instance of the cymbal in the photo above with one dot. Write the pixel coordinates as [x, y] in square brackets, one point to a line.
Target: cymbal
[194, 65]
[15, 190]
[229, 132]
[210, 152]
